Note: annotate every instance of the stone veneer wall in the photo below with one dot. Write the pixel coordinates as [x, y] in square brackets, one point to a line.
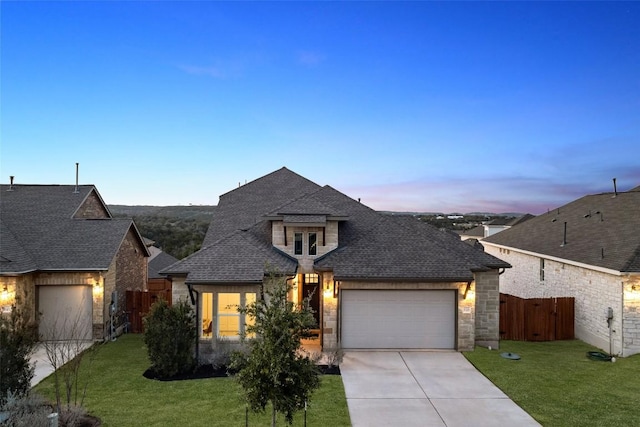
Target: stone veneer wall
[131, 270]
[594, 292]
[329, 308]
[631, 315]
[487, 305]
[306, 261]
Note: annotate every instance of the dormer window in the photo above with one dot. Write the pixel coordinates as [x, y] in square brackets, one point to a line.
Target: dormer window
[313, 243]
[297, 244]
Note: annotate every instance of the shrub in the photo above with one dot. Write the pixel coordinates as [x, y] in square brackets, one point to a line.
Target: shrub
[27, 410]
[170, 334]
[18, 337]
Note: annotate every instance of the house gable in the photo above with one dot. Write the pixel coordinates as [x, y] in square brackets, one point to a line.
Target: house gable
[92, 207]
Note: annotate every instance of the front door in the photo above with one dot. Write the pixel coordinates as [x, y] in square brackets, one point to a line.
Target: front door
[311, 289]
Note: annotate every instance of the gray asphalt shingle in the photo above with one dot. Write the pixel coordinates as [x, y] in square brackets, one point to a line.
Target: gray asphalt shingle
[40, 219]
[603, 230]
[371, 245]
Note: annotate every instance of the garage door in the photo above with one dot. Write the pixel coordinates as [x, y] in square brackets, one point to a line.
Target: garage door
[66, 312]
[398, 319]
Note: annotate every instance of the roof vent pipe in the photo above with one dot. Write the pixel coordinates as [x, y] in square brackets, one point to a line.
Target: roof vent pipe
[615, 188]
[77, 168]
[10, 183]
[564, 237]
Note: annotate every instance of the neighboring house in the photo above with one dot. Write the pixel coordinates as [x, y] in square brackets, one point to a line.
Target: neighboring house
[492, 227]
[158, 260]
[588, 249]
[63, 254]
[375, 280]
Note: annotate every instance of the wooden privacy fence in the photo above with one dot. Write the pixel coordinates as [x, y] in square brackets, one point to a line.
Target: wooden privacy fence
[138, 304]
[536, 319]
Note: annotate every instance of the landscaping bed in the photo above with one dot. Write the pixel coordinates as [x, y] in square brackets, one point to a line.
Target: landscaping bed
[210, 371]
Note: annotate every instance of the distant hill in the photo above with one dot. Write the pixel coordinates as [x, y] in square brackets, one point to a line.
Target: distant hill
[177, 230]
[198, 212]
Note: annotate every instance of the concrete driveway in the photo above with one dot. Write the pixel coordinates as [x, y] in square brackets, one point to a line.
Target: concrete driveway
[423, 388]
[40, 360]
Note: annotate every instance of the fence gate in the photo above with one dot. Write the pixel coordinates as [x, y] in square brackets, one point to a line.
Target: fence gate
[536, 319]
[138, 305]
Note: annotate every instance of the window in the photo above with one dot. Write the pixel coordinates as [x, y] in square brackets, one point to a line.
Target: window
[249, 299]
[297, 244]
[311, 279]
[206, 314]
[313, 243]
[542, 269]
[231, 323]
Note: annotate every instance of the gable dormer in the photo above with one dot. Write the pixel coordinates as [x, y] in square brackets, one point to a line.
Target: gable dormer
[305, 229]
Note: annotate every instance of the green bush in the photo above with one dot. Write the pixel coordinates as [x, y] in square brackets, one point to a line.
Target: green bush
[18, 337]
[170, 334]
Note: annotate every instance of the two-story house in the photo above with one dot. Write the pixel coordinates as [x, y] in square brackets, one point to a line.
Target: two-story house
[375, 281]
[67, 259]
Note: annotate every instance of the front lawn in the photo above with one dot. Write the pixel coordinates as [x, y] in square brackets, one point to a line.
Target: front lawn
[120, 396]
[559, 386]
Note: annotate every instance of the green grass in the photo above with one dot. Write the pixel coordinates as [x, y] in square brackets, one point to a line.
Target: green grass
[559, 386]
[120, 396]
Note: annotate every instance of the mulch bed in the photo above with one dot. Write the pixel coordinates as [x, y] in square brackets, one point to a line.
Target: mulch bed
[209, 371]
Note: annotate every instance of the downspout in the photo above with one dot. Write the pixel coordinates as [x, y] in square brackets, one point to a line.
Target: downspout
[193, 295]
[622, 319]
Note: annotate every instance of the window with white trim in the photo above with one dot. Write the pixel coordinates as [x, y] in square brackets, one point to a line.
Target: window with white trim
[297, 243]
[313, 243]
[230, 323]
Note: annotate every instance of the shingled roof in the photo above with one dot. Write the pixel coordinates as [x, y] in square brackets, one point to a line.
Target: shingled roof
[371, 245]
[239, 257]
[159, 262]
[243, 207]
[40, 231]
[602, 230]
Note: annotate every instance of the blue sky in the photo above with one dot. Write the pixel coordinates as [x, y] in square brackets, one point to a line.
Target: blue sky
[419, 106]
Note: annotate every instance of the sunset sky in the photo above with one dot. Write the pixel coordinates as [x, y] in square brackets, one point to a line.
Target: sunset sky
[417, 106]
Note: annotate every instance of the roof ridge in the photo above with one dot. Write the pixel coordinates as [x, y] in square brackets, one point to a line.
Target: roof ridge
[270, 174]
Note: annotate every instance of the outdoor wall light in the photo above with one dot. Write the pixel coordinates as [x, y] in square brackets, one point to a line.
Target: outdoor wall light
[467, 291]
[7, 297]
[97, 289]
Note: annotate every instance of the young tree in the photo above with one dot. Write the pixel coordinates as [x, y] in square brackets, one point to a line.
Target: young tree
[274, 370]
[170, 334]
[18, 337]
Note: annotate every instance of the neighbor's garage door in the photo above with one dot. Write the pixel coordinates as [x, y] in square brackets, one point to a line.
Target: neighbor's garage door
[398, 319]
[66, 312]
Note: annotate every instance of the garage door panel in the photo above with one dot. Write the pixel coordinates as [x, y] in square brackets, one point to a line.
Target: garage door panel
[398, 319]
[66, 312]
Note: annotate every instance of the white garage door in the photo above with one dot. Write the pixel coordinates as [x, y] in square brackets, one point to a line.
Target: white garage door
[66, 312]
[398, 319]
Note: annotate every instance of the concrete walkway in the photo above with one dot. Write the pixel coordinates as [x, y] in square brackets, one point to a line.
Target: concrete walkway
[43, 367]
[423, 388]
